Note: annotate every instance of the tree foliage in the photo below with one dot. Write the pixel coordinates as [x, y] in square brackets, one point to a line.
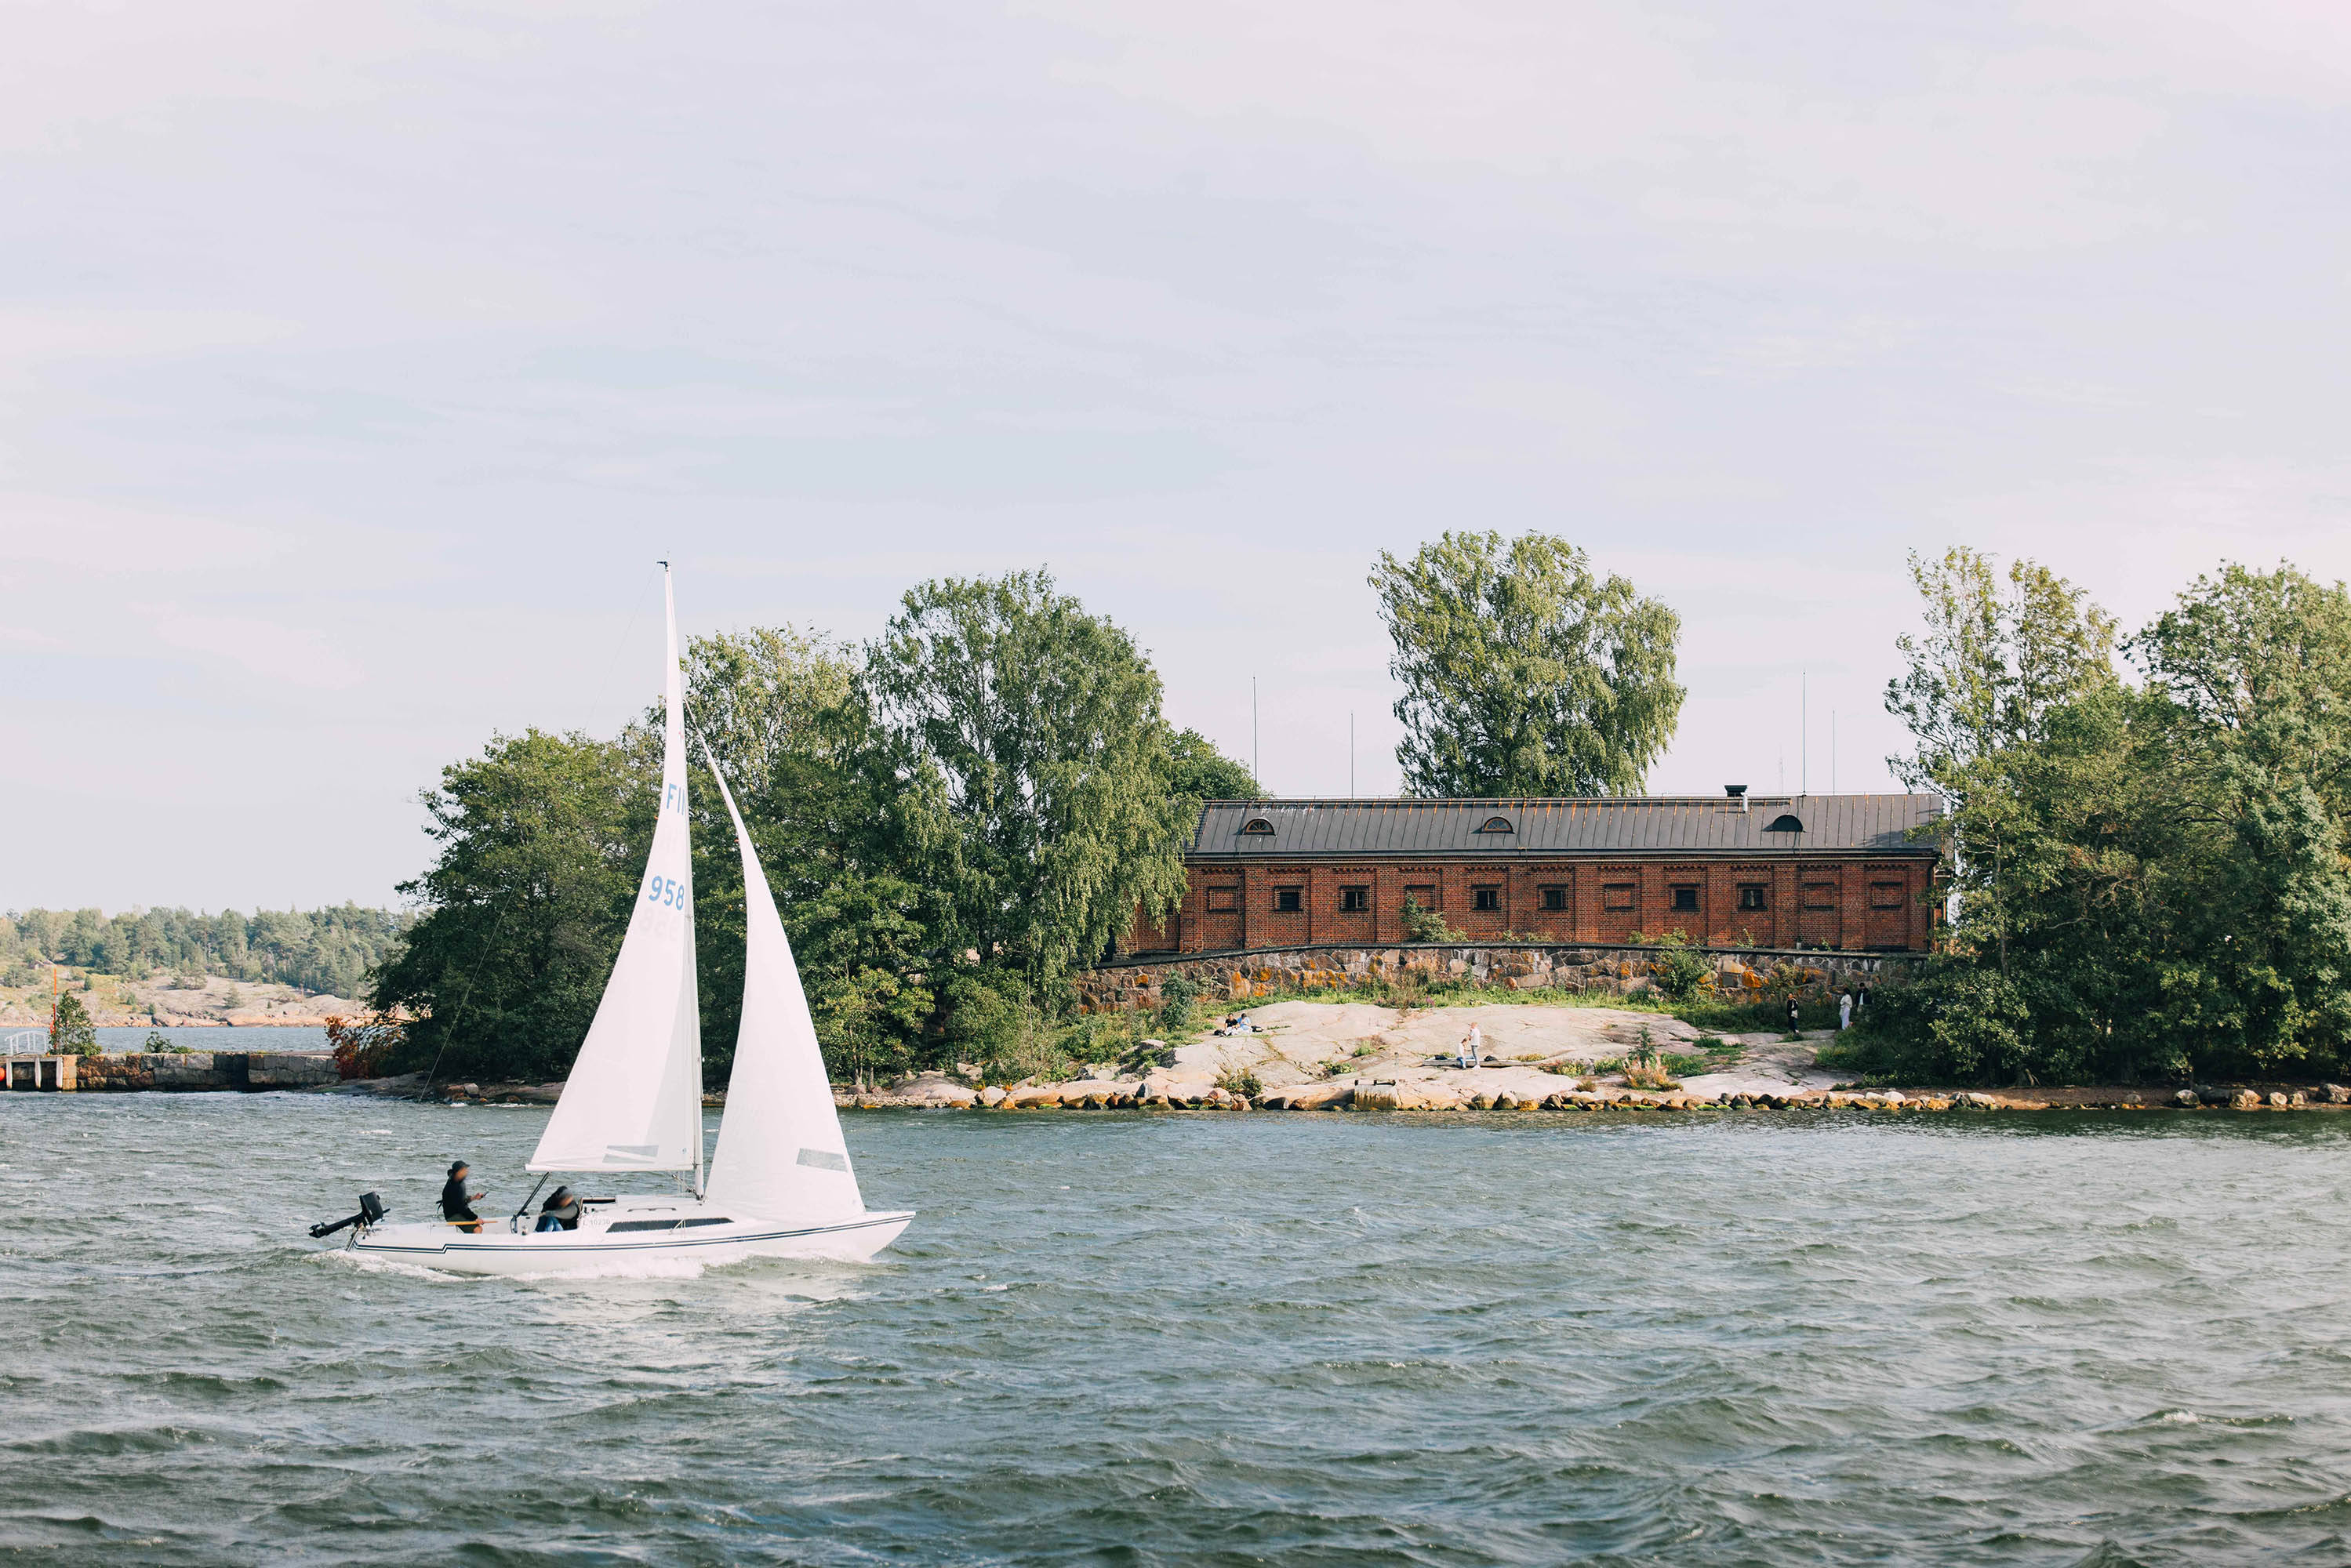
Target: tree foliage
[2152, 880]
[541, 839]
[1523, 672]
[70, 1032]
[323, 950]
[948, 824]
[1030, 769]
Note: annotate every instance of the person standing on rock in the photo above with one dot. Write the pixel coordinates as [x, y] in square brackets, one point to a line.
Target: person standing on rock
[1845, 1012]
[1471, 1043]
[1792, 1026]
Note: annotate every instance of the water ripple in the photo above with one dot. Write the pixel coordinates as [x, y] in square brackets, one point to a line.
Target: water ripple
[1133, 1339]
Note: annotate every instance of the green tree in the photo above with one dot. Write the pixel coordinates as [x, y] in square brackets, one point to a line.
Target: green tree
[1030, 773]
[70, 1033]
[1523, 672]
[540, 841]
[779, 708]
[2251, 675]
[1197, 771]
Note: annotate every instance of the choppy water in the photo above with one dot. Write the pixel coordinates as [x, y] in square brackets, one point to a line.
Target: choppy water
[217, 1036]
[1205, 1339]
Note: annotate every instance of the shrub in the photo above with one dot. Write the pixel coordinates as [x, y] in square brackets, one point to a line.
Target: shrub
[362, 1046]
[1176, 995]
[1426, 925]
[1676, 971]
[1242, 1082]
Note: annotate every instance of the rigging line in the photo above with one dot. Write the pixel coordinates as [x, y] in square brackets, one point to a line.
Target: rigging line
[496, 927]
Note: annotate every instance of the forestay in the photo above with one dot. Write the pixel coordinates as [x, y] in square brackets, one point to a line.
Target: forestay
[781, 1152]
[633, 1102]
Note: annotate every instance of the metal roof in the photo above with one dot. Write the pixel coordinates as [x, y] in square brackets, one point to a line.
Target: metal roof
[1603, 824]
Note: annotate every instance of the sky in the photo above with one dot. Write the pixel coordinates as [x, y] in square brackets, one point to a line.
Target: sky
[357, 362]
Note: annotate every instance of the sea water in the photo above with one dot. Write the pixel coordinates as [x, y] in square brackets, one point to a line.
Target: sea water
[1205, 1338]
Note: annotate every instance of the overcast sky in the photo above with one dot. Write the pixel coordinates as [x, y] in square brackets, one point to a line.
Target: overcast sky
[358, 361]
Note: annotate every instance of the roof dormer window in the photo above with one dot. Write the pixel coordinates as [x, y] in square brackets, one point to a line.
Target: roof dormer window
[1785, 822]
[1497, 825]
[1256, 825]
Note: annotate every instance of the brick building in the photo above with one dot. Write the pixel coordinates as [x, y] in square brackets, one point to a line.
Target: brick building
[1854, 873]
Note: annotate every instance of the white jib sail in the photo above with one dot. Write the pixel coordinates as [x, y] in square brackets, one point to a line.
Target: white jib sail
[780, 1153]
[633, 1102]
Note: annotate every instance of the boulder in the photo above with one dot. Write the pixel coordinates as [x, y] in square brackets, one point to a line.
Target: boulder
[2297, 1098]
[2186, 1100]
[991, 1096]
[2245, 1100]
[2337, 1094]
[1894, 1098]
[2277, 1099]
[1481, 1101]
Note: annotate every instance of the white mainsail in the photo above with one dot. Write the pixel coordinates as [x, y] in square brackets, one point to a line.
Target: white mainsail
[633, 1102]
[780, 1153]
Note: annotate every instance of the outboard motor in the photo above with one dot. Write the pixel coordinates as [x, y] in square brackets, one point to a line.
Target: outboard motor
[371, 1211]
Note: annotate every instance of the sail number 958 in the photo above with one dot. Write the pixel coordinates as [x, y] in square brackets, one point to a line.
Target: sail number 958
[665, 891]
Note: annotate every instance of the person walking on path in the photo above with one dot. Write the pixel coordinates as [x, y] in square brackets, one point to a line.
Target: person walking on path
[1845, 1012]
[1792, 1026]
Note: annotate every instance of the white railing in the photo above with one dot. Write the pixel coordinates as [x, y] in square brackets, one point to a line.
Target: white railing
[25, 1042]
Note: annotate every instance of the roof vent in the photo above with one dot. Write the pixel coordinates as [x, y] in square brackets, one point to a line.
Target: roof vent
[1739, 793]
[1785, 822]
[1497, 825]
[1256, 825]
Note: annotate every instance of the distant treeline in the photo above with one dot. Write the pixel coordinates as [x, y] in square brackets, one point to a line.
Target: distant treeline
[329, 950]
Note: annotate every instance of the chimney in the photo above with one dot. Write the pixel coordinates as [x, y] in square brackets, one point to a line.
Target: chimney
[1739, 793]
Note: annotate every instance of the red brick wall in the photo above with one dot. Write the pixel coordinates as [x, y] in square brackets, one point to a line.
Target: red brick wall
[1851, 904]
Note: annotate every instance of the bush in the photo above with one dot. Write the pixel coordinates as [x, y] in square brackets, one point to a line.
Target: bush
[362, 1046]
[1242, 1082]
[1176, 995]
[1426, 925]
[990, 1019]
[1678, 971]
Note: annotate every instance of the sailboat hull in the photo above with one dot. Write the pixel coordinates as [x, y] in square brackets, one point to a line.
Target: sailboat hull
[595, 1249]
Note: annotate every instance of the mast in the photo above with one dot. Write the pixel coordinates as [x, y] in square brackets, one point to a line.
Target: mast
[673, 701]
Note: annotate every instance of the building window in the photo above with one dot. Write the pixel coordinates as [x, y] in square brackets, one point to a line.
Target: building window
[1886, 896]
[1289, 900]
[1424, 897]
[1256, 825]
[1487, 899]
[1554, 898]
[1617, 895]
[1354, 900]
[1224, 897]
[1686, 899]
[1750, 896]
[1820, 895]
[1497, 825]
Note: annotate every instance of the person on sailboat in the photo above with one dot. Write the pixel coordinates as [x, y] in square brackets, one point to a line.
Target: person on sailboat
[560, 1211]
[457, 1204]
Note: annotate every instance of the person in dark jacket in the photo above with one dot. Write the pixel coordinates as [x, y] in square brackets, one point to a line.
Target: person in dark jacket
[560, 1211]
[457, 1204]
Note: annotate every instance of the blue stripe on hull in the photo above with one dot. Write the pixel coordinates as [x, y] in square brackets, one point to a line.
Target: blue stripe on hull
[510, 1249]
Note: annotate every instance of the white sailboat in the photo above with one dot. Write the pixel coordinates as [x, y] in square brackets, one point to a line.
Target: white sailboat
[781, 1184]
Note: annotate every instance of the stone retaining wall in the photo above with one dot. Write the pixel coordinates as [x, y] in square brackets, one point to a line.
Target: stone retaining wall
[1748, 974]
[205, 1070]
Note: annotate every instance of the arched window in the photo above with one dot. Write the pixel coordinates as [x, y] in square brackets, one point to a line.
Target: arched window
[1256, 825]
[1497, 825]
[1785, 822]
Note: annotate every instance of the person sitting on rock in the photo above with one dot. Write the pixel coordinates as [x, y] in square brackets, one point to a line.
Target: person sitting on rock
[457, 1204]
[560, 1211]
